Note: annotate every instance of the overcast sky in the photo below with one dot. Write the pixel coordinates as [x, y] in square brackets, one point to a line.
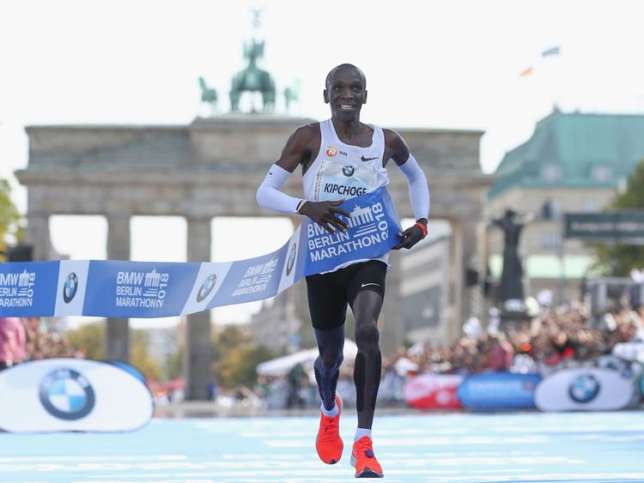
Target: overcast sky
[448, 64]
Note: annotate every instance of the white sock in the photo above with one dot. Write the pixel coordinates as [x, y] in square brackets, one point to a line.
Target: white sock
[360, 432]
[330, 413]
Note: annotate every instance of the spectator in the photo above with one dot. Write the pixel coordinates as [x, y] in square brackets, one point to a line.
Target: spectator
[296, 381]
[501, 354]
[12, 342]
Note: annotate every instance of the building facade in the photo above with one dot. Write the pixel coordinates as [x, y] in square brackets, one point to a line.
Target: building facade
[573, 162]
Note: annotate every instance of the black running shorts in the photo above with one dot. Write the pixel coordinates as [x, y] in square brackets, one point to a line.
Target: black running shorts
[329, 293]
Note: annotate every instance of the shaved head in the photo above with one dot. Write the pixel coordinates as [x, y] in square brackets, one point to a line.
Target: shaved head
[341, 67]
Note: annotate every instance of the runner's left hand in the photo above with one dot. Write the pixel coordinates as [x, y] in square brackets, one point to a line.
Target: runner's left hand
[409, 238]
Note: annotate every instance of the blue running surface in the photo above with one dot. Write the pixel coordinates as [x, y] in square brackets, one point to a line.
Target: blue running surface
[532, 447]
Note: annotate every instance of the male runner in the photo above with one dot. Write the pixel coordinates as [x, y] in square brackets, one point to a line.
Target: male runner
[343, 158]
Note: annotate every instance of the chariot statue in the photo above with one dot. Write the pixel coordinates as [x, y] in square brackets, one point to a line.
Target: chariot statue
[253, 79]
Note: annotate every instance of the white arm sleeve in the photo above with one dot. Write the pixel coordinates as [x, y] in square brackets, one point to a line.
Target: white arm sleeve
[269, 194]
[418, 187]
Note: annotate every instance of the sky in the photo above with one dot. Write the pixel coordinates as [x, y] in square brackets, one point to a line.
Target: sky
[434, 64]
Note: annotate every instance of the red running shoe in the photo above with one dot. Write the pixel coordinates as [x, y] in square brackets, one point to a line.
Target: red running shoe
[328, 442]
[364, 460]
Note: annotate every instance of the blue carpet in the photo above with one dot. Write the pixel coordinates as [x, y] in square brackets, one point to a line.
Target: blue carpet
[534, 447]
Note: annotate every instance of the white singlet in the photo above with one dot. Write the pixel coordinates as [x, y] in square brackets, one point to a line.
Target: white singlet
[342, 171]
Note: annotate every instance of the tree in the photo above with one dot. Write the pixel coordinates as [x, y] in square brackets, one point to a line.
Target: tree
[619, 260]
[90, 338]
[140, 356]
[173, 366]
[237, 356]
[10, 229]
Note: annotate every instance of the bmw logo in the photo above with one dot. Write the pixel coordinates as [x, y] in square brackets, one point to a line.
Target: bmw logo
[291, 259]
[348, 170]
[584, 388]
[66, 394]
[206, 287]
[70, 288]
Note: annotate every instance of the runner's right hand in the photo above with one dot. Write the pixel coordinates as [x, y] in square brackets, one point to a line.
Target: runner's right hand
[325, 214]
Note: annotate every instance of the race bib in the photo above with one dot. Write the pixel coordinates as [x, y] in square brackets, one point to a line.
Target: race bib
[338, 181]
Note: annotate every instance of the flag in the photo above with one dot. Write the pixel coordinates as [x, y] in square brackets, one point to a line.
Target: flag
[551, 51]
[526, 72]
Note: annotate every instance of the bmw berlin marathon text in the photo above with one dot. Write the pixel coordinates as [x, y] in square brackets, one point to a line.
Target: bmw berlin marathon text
[17, 289]
[370, 229]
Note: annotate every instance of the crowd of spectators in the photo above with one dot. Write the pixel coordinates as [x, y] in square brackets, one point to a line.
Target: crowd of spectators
[24, 339]
[557, 338]
[563, 336]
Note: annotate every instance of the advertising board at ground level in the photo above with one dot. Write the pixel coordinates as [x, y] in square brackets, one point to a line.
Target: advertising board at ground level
[585, 389]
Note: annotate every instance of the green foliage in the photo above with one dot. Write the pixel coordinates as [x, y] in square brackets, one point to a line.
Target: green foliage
[90, 338]
[633, 197]
[10, 230]
[140, 357]
[237, 356]
[619, 260]
[173, 367]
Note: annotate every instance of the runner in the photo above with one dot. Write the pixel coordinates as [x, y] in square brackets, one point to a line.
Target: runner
[342, 158]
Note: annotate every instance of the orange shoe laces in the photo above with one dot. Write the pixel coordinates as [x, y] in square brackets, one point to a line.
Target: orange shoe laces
[330, 426]
[364, 447]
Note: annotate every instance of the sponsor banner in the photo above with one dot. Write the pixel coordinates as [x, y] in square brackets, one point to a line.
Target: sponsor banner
[72, 282]
[208, 283]
[162, 289]
[433, 391]
[293, 253]
[28, 288]
[591, 389]
[127, 367]
[140, 289]
[369, 234]
[250, 280]
[498, 391]
[72, 395]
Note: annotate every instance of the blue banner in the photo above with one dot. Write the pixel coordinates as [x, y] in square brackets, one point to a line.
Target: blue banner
[162, 289]
[498, 390]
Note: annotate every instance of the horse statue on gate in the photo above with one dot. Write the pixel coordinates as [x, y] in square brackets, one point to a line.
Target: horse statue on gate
[253, 79]
[208, 95]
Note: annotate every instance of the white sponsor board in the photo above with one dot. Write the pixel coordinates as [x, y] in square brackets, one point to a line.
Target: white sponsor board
[591, 389]
[72, 280]
[72, 395]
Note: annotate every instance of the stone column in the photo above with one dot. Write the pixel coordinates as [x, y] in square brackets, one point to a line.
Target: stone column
[38, 235]
[117, 336]
[199, 350]
[457, 288]
[469, 258]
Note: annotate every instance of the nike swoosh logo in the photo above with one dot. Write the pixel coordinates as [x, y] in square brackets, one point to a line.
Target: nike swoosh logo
[367, 284]
[362, 158]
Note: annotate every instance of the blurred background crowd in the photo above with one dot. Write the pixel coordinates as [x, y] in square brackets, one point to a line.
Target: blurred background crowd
[24, 339]
[558, 337]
